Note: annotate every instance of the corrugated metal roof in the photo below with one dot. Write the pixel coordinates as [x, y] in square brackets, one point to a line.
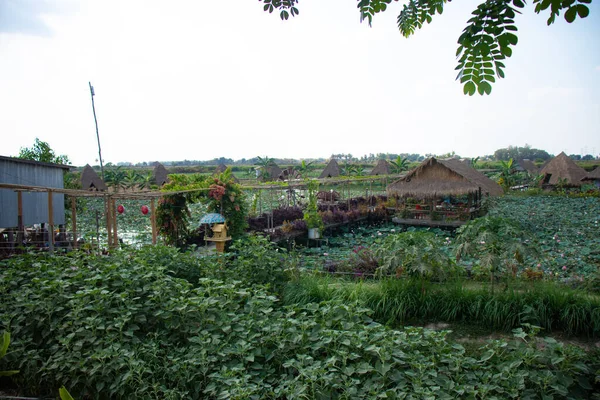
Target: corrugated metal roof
[44, 164]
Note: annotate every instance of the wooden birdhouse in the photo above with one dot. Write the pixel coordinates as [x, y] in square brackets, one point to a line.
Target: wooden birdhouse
[219, 236]
[219, 231]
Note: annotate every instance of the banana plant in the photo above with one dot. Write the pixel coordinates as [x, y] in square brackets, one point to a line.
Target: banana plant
[399, 165]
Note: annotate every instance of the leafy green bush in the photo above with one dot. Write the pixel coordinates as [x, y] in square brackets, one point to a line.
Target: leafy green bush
[417, 253]
[498, 244]
[122, 327]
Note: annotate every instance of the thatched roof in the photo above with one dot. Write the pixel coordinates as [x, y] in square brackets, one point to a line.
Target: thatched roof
[289, 173]
[220, 168]
[331, 170]
[272, 172]
[593, 175]
[437, 178]
[382, 168]
[529, 166]
[90, 179]
[562, 167]
[160, 176]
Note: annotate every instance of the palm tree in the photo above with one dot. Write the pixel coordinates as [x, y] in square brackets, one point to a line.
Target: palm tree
[399, 165]
[264, 163]
[145, 181]
[305, 167]
[507, 178]
[115, 178]
[131, 179]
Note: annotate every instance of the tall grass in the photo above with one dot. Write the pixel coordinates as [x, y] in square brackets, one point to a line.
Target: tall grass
[396, 302]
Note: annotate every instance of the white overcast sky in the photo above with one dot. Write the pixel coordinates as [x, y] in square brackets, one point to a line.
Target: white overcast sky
[198, 79]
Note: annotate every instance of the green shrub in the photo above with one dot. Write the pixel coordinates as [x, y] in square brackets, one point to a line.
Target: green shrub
[416, 253]
[123, 327]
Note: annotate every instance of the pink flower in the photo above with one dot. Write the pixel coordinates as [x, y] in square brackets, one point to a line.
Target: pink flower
[564, 268]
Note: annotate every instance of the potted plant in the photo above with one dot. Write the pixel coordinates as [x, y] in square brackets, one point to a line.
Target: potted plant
[314, 221]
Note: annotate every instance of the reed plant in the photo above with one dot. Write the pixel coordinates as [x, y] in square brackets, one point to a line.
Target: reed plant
[397, 302]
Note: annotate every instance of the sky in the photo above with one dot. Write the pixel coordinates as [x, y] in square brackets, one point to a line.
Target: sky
[197, 80]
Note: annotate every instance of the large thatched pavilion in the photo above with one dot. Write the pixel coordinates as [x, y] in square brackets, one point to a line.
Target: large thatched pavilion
[562, 171]
[441, 192]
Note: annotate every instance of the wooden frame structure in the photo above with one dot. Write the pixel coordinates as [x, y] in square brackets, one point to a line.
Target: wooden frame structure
[110, 209]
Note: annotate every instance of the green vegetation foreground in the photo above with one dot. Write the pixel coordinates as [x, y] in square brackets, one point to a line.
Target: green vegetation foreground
[159, 324]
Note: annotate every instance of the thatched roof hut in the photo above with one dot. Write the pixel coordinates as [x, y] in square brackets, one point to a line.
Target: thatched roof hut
[593, 175]
[220, 168]
[527, 166]
[562, 169]
[382, 168]
[271, 173]
[331, 170]
[435, 178]
[90, 180]
[160, 176]
[289, 173]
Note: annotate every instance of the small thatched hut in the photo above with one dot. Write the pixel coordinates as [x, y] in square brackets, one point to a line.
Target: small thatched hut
[289, 173]
[562, 170]
[593, 177]
[270, 173]
[90, 180]
[160, 176]
[527, 166]
[220, 168]
[331, 170]
[382, 168]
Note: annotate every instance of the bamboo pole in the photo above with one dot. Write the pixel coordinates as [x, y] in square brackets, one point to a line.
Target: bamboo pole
[74, 220]
[50, 222]
[153, 220]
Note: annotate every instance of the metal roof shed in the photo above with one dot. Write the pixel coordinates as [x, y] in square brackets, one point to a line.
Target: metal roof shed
[35, 205]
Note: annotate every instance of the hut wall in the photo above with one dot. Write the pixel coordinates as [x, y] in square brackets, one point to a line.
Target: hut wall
[35, 205]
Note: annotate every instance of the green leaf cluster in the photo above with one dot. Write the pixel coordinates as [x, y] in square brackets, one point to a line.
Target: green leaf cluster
[486, 41]
[417, 253]
[41, 151]
[123, 326]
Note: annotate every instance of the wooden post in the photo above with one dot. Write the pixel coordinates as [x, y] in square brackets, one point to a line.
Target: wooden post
[20, 226]
[115, 237]
[108, 220]
[153, 220]
[74, 220]
[469, 204]
[50, 222]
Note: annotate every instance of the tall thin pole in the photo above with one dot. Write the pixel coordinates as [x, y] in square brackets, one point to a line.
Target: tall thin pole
[97, 134]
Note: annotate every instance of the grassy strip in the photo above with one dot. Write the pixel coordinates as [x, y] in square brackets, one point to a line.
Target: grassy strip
[398, 302]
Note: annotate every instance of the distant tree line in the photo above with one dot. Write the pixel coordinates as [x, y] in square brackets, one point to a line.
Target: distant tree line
[520, 153]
